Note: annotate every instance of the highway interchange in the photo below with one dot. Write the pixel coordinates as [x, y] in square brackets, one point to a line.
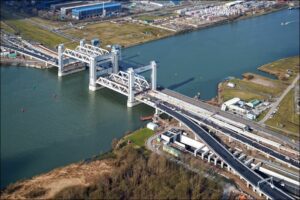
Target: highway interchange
[249, 175]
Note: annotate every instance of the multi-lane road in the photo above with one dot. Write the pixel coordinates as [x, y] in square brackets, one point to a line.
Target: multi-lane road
[247, 141]
[244, 171]
[214, 109]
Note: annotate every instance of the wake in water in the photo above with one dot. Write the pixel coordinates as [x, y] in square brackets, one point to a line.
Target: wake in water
[287, 23]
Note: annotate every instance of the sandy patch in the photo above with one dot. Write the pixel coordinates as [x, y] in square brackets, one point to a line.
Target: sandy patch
[46, 186]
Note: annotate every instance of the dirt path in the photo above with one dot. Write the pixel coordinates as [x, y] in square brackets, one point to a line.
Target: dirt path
[276, 104]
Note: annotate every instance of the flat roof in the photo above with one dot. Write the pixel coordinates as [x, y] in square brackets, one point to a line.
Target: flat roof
[169, 134]
[232, 101]
[97, 6]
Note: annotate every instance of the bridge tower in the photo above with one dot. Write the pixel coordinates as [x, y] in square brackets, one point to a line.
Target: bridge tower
[115, 60]
[60, 59]
[131, 101]
[153, 75]
[93, 75]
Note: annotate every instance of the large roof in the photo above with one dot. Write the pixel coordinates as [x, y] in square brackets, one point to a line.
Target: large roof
[97, 6]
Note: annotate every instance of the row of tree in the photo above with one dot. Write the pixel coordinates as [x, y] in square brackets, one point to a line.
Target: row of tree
[137, 175]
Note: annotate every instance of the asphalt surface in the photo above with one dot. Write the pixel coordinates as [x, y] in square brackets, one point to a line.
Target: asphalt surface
[249, 141]
[225, 155]
[276, 104]
[32, 53]
[252, 124]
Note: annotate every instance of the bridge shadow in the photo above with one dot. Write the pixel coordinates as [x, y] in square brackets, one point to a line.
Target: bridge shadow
[179, 84]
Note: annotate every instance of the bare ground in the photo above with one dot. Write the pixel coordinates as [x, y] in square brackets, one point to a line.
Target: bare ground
[46, 186]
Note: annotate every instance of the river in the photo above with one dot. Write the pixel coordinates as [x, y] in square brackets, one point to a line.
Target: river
[47, 122]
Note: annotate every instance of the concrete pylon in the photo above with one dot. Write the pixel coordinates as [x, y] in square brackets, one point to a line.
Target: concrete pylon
[93, 76]
[153, 75]
[82, 42]
[115, 60]
[130, 101]
[60, 59]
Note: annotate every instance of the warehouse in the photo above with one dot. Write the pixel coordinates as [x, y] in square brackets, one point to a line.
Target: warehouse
[61, 5]
[96, 10]
[64, 11]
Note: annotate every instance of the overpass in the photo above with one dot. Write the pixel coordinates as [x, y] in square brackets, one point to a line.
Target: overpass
[258, 183]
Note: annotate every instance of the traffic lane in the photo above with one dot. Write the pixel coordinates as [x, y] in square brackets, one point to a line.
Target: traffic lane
[273, 192]
[232, 117]
[217, 147]
[45, 57]
[248, 174]
[249, 141]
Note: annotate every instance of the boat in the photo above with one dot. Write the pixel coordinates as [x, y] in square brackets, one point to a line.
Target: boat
[145, 118]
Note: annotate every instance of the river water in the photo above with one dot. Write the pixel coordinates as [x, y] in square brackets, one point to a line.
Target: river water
[47, 122]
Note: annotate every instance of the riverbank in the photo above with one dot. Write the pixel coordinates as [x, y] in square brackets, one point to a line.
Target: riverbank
[23, 63]
[127, 171]
[210, 25]
[111, 33]
[254, 86]
[157, 35]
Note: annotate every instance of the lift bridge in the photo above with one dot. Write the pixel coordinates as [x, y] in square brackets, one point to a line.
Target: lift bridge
[137, 88]
[128, 83]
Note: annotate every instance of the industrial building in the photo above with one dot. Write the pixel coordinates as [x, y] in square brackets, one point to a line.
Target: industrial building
[101, 9]
[66, 10]
[249, 110]
[66, 4]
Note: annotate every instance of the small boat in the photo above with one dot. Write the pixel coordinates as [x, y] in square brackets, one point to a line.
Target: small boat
[145, 118]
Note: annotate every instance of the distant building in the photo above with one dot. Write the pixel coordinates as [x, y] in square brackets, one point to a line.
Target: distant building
[253, 103]
[231, 85]
[168, 137]
[71, 3]
[152, 126]
[226, 104]
[233, 3]
[95, 10]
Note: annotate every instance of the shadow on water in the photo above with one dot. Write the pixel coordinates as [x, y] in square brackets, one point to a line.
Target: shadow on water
[177, 85]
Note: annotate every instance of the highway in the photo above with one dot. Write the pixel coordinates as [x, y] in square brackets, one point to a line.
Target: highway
[35, 54]
[247, 141]
[225, 155]
[215, 109]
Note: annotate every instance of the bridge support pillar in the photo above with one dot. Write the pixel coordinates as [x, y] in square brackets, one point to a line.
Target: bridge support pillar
[60, 59]
[115, 60]
[228, 168]
[216, 160]
[153, 75]
[209, 157]
[131, 101]
[157, 112]
[248, 184]
[93, 76]
[82, 42]
[222, 164]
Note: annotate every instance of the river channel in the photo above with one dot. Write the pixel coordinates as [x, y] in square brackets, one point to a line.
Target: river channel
[47, 122]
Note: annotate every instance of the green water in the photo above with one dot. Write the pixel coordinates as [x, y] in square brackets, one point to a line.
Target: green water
[48, 122]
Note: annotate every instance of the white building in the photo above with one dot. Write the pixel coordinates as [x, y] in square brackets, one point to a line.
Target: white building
[152, 126]
[231, 85]
[226, 104]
